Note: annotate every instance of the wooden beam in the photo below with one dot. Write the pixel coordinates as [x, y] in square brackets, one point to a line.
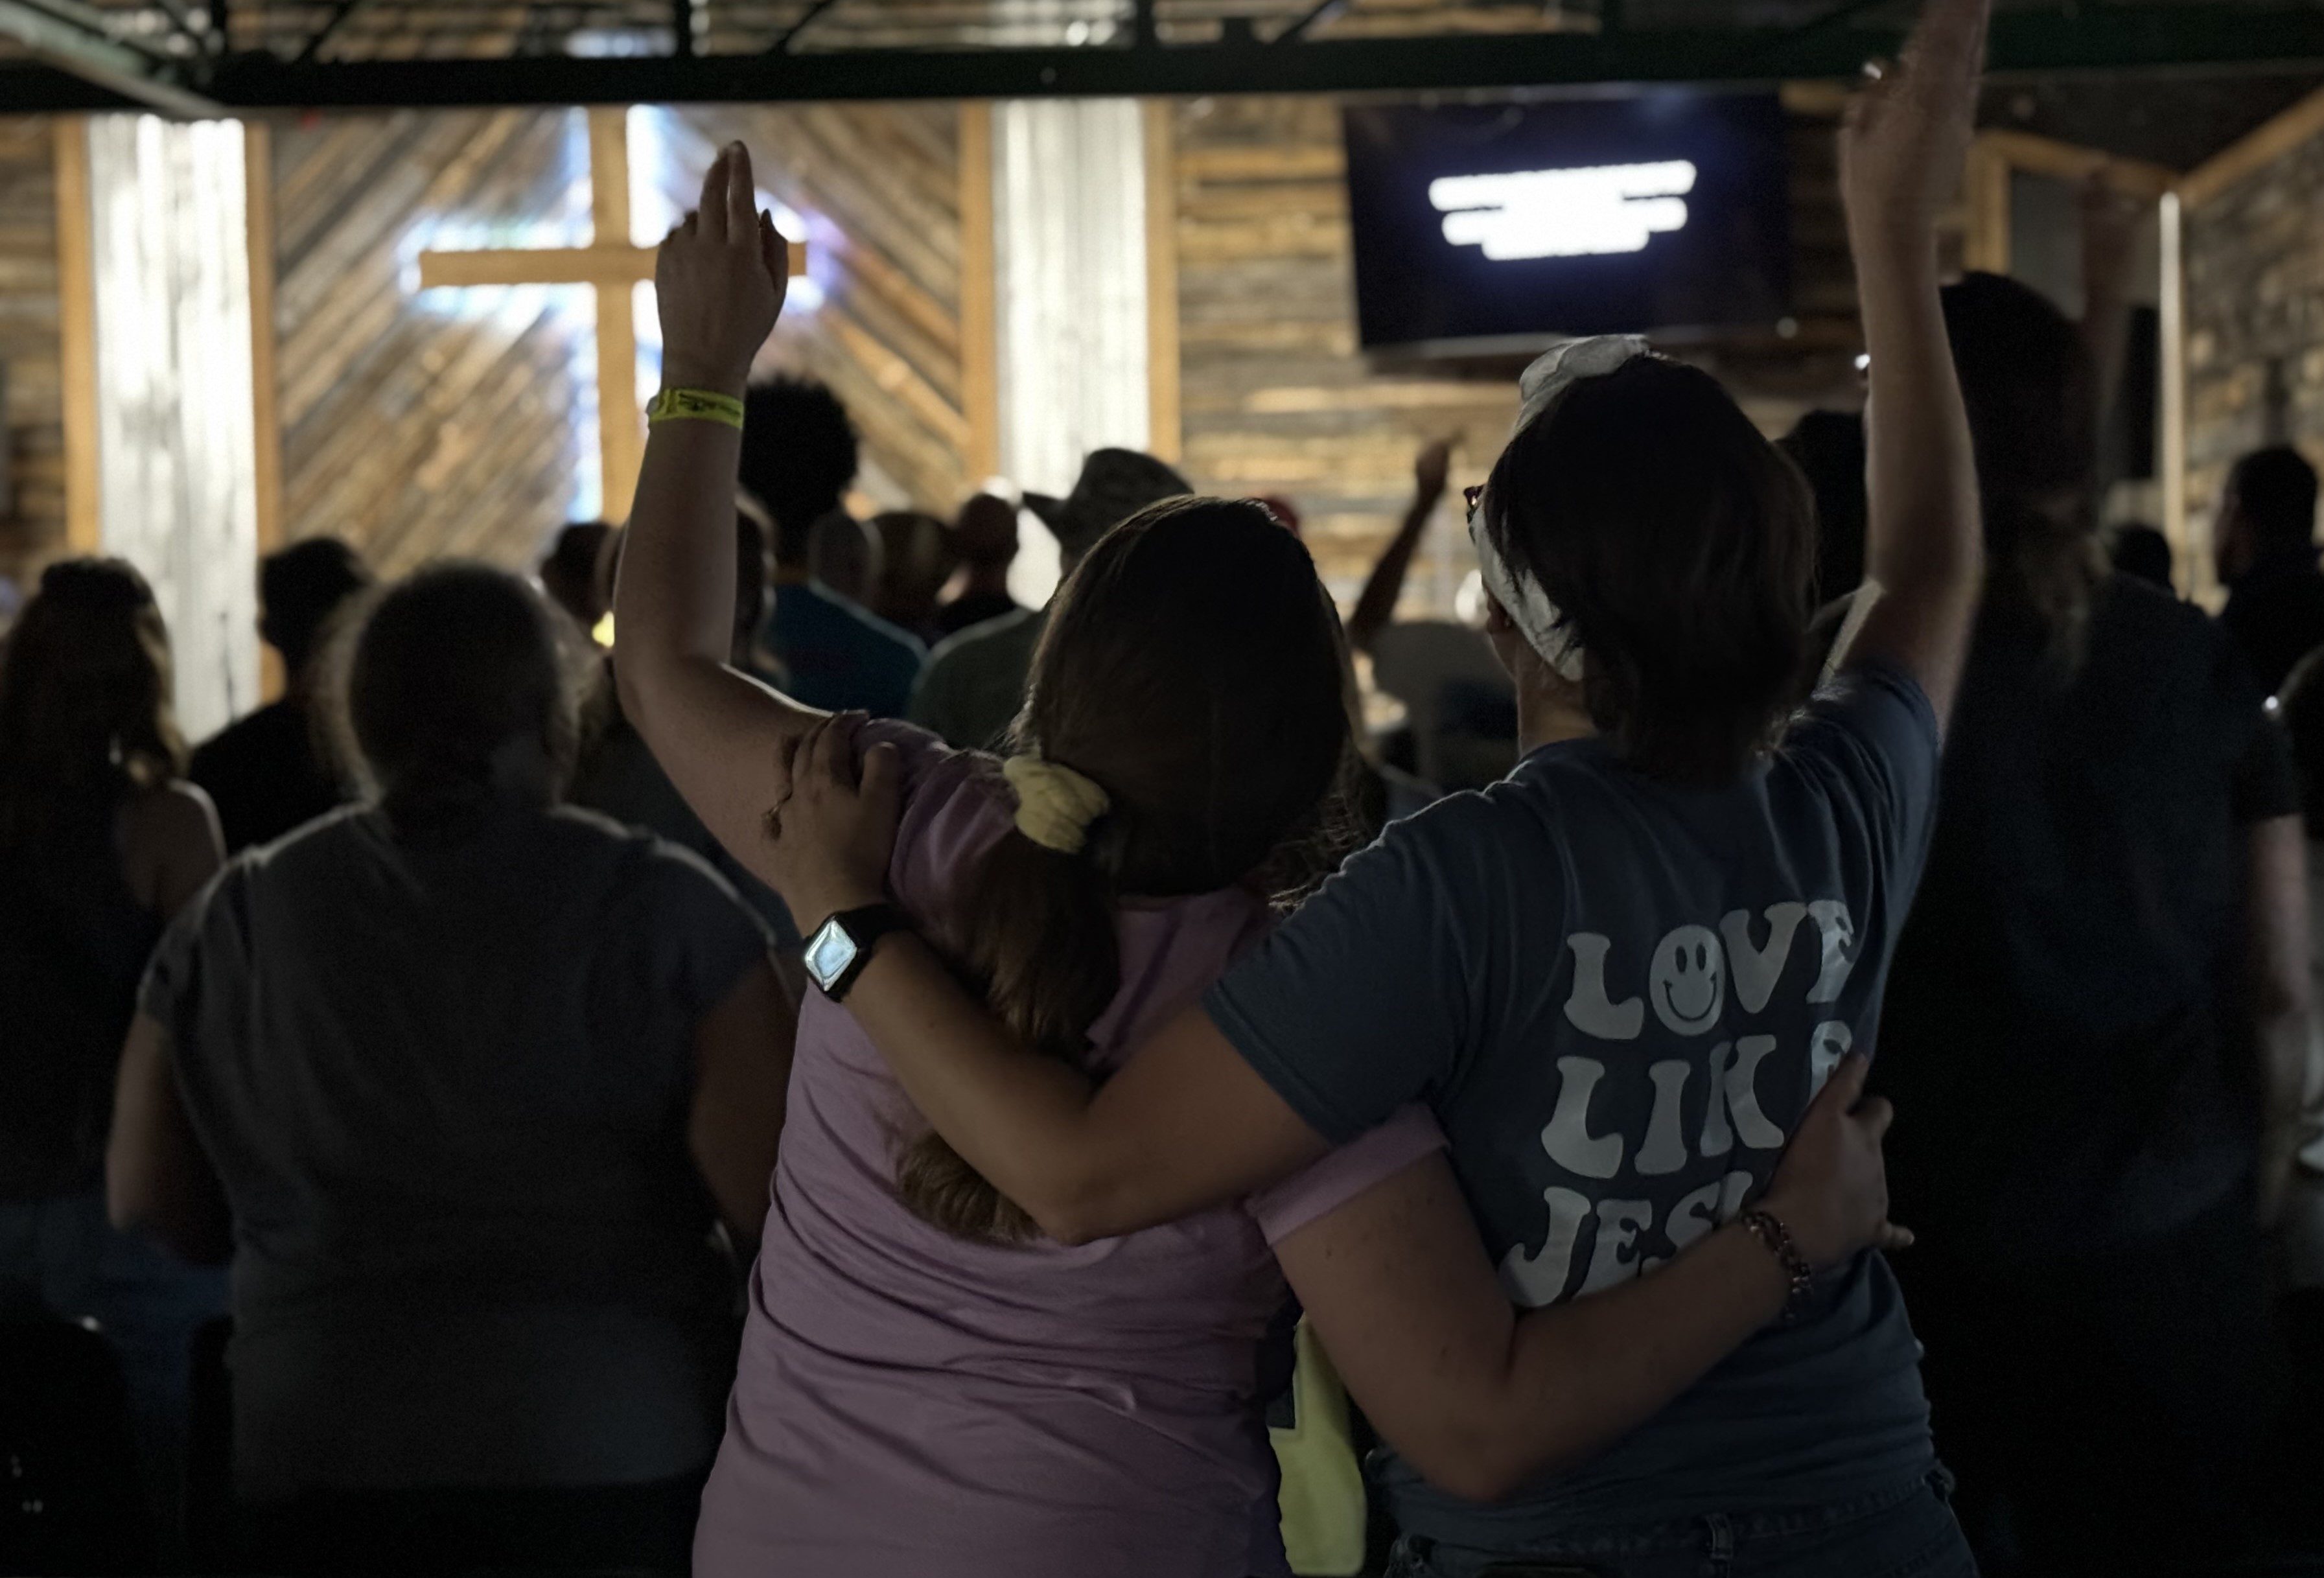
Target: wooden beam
[2192, 568]
[613, 266]
[2069, 161]
[561, 265]
[2255, 151]
[1817, 100]
[609, 175]
[265, 391]
[980, 369]
[1985, 209]
[621, 418]
[77, 320]
[1165, 433]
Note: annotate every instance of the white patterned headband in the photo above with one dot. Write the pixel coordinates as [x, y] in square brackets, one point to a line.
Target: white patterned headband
[1538, 619]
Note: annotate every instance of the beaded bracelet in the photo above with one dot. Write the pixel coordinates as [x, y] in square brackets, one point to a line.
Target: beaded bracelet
[694, 405]
[1769, 1230]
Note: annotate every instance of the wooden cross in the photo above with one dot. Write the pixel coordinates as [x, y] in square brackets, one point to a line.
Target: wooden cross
[613, 266]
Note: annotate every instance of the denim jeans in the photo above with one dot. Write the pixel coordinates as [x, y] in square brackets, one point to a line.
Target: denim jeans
[61, 1256]
[1907, 1531]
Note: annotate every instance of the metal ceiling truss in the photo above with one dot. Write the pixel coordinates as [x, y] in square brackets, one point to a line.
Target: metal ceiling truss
[89, 63]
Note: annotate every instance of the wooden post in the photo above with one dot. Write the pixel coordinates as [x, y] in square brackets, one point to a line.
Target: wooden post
[1984, 209]
[77, 320]
[2192, 567]
[265, 392]
[620, 423]
[1165, 433]
[980, 369]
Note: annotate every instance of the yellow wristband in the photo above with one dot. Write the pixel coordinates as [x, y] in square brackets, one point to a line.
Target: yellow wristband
[694, 405]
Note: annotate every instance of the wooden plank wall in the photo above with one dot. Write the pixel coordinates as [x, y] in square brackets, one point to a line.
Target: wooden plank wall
[1278, 400]
[452, 423]
[2254, 289]
[880, 186]
[418, 426]
[32, 423]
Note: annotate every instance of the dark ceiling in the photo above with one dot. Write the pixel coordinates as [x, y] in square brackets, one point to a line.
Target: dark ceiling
[2173, 119]
[2170, 82]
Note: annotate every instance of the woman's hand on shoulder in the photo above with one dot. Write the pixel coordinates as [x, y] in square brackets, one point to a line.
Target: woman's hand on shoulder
[1831, 1189]
[719, 282]
[832, 836]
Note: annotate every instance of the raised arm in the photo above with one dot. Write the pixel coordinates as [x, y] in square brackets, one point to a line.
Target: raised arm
[723, 738]
[2111, 220]
[1482, 1399]
[1901, 152]
[1377, 605]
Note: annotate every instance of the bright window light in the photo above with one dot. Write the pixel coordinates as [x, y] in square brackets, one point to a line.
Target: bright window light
[1604, 210]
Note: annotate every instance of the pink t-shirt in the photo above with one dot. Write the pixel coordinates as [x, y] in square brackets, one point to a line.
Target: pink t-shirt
[909, 1403]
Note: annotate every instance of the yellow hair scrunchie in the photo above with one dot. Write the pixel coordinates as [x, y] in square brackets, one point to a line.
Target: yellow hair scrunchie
[1055, 803]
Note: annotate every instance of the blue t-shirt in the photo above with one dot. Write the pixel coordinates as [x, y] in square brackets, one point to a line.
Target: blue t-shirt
[836, 656]
[1618, 995]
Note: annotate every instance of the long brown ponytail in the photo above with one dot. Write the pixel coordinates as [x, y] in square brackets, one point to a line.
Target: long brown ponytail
[2026, 379]
[1190, 670]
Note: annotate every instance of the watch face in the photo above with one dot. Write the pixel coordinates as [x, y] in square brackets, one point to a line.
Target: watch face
[829, 952]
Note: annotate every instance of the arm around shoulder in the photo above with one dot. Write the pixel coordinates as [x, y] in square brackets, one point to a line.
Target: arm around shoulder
[1185, 1124]
[1482, 1399]
[1479, 1398]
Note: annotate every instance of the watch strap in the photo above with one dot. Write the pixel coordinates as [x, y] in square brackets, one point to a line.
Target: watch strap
[864, 926]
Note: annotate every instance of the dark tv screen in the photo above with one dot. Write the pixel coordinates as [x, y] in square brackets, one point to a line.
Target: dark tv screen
[1667, 210]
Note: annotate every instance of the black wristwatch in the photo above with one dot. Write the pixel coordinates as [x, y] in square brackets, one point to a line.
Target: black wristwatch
[841, 947]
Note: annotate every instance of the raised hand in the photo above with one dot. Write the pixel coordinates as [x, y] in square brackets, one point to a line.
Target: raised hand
[1431, 468]
[1831, 1189]
[1905, 135]
[2111, 220]
[719, 282]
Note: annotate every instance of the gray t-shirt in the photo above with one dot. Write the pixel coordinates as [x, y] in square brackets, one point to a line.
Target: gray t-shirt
[1618, 996]
[446, 1082]
[974, 685]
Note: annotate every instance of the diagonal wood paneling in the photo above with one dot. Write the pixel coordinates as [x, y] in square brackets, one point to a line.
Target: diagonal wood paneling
[879, 187]
[448, 423]
[456, 422]
[31, 419]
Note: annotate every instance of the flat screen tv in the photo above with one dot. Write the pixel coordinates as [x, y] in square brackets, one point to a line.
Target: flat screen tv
[1490, 226]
